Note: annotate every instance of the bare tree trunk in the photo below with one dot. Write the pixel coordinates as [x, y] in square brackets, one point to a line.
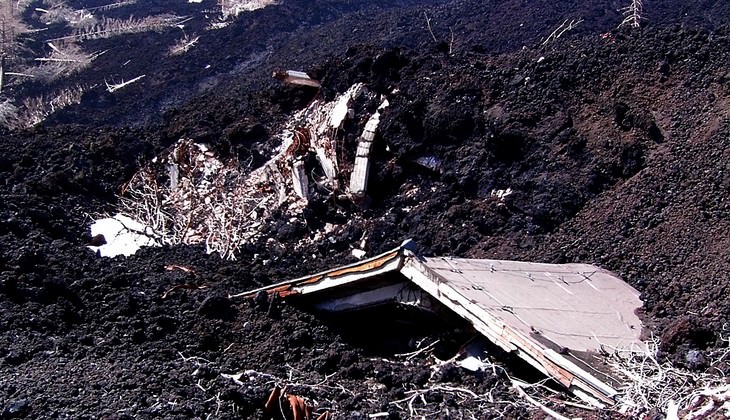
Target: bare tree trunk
[2, 72]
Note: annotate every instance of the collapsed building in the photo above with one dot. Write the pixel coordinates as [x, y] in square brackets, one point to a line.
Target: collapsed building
[559, 318]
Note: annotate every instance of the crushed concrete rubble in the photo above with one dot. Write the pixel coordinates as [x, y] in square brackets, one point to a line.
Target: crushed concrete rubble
[559, 318]
[188, 195]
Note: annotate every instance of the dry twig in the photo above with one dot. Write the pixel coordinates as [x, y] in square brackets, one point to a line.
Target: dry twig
[428, 24]
[111, 88]
[657, 385]
[560, 30]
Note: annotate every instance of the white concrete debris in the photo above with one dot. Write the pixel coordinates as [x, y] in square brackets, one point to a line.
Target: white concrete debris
[123, 235]
[343, 105]
[473, 364]
[358, 253]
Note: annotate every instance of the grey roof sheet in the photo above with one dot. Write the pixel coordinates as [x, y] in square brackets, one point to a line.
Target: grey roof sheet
[577, 306]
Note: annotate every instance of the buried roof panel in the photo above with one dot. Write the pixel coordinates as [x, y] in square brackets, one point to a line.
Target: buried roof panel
[336, 277]
[550, 315]
[577, 306]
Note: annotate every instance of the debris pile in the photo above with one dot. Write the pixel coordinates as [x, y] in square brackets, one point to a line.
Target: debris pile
[188, 195]
[656, 385]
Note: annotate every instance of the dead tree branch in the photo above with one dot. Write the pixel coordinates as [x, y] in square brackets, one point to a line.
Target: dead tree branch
[111, 88]
[657, 385]
[560, 30]
[552, 413]
[183, 45]
[204, 201]
[428, 24]
[632, 14]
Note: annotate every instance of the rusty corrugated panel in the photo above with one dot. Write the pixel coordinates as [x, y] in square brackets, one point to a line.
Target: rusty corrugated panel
[362, 267]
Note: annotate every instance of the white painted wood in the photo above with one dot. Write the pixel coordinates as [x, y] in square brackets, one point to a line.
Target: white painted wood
[299, 179]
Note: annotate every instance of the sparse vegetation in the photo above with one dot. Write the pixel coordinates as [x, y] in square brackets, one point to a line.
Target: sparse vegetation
[64, 55]
[57, 11]
[63, 59]
[109, 27]
[33, 110]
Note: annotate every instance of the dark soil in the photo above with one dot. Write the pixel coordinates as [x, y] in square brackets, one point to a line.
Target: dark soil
[616, 143]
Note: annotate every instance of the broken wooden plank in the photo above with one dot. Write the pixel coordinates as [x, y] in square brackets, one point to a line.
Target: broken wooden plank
[293, 77]
[387, 261]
